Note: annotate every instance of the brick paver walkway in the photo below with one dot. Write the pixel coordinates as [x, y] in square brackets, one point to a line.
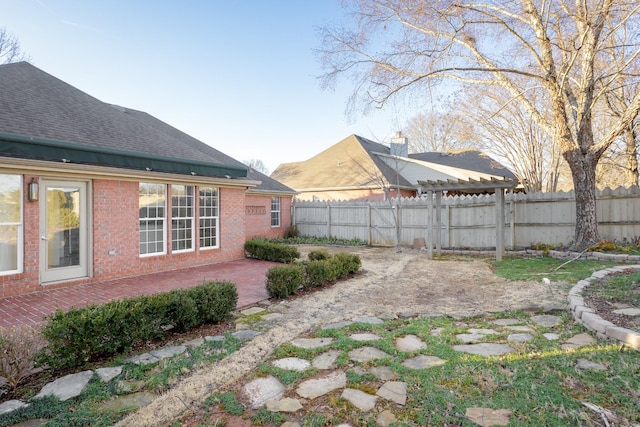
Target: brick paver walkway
[247, 274]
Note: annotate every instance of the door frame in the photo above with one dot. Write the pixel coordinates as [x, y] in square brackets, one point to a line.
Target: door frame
[84, 267]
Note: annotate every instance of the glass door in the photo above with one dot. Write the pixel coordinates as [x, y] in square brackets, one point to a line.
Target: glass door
[63, 241]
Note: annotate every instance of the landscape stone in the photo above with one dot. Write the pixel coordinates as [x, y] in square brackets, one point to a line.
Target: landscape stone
[11, 405]
[481, 331]
[470, 338]
[383, 373]
[310, 343]
[107, 374]
[216, 338]
[628, 311]
[196, 342]
[166, 352]
[410, 343]
[37, 422]
[368, 319]
[135, 400]
[292, 364]
[423, 362]
[436, 332]
[487, 417]
[143, 359]
[314, 387]
[519, 338]
[67, 387]
[578, 341]
[261, 390]
[365, 354]
[287, 404]
[359, 399]
[252, 310]
[365, 337]
[385, 418]
[506, 322]
[484, 349]
[246, 334]
[551, 336]
[272, 316]
[525, 329]
[290, 424]
[338, 325]
[584, 364]
[395, 391]
[325, 360]
[547, 320]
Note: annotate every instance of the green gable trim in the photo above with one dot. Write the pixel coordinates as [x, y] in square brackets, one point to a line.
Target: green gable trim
[62, 151]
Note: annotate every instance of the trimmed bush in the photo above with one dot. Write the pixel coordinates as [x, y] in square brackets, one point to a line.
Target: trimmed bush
[81, 335]
[321, 271]
[349, 263]
[268, 251]
[283, 281]
[318, 254]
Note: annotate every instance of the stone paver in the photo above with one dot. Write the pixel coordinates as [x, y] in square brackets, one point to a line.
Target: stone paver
[292, 364]
[578, 341]
[584, 364]
[383, 373]
[365, 337]
[261, 390]
[11, 405]
[410, 343]
[506, 322]
[310, 343]
[487, 417]
[519, 338]
[395, 391]
[287, 404]
[315, 387]
[366, 354]
[368, 319]
[252, 310]
[246, 334]
[547, 320]
[143, 359]
[166, 352]
[135, 400]
[325, 360]
[484, 349]
[385, 418]
[337, 325]
[359, 399]
[632, 312]
[67, 387]
[423, 362]
[107, 374]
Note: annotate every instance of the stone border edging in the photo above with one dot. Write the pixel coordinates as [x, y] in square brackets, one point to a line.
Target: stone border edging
[586, 316]
[587, 256]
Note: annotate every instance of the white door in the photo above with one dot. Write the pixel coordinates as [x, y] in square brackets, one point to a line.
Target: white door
[63, 224]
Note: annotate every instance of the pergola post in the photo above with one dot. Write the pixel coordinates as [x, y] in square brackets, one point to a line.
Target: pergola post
[430, 224]
[499, 223]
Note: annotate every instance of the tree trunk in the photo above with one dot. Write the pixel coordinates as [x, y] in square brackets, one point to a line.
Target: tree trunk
[583, 172]
[631, 152]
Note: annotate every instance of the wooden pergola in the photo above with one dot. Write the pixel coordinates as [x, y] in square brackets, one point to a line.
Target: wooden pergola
[465, 186]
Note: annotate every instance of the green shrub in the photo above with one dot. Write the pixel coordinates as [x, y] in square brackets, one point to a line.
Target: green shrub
[85, 334]
[269, 251]
[318, 254]
[349, 263]
[291, 232]
[283, 281]
[321, 271]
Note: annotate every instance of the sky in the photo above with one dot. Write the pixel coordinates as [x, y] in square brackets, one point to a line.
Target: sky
[241, 76]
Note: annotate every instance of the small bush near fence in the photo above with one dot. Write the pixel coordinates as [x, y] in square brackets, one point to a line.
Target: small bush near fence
[270, 251]
[284, 281]
[86, 334]
[18, 347]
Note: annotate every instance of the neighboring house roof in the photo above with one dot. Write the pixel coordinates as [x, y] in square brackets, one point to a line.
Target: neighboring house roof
[472, 160]
[349, 164]
[356, 162]
[44, 118]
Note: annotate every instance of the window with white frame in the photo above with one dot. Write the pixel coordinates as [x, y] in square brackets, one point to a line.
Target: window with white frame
[182, 218]
[152, 204]
[10, 224]
[275, 211]
[209, 217]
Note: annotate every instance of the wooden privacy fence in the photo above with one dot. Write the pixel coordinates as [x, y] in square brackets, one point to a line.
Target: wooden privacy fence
[470, 221]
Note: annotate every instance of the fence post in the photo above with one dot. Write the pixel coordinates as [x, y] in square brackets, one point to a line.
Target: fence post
[430, 224]
[328, 220]
[369, 231]
[499, 223]
[438, 222]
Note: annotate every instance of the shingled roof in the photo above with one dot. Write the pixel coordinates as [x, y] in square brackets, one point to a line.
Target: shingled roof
[473, 160]
[44, 118]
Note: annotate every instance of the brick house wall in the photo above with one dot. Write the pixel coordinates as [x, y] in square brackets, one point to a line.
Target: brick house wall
[257, 218]
[114, 235]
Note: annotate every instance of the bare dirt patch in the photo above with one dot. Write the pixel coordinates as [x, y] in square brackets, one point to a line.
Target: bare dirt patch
[391, 283]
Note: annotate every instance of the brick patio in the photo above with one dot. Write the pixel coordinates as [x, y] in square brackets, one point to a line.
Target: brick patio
[247, 274]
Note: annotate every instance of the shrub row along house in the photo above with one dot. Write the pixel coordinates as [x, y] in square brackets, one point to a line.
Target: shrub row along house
[359, 169]
[91, 191]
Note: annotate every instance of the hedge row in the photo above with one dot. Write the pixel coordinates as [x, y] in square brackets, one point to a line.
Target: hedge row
[269, 251]
[284, 281]
[86, 334]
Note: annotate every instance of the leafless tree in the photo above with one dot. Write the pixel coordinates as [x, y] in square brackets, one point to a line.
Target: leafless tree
[10, 48]
[258, 165]
[439, 131]
[548, 49]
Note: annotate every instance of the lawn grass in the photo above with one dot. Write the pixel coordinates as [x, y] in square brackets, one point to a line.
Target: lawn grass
[517, 268]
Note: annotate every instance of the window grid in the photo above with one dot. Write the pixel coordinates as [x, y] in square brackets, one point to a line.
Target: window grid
[209, 217]
[182, 218]
[152, 208]
[275, 211]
